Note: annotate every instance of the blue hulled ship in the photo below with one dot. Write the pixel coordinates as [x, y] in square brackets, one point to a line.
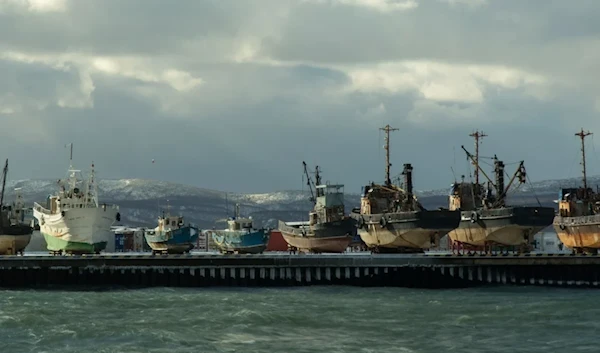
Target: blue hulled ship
[171, 236]
[240, 237]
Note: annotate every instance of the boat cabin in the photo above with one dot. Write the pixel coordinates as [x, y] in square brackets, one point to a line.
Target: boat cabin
[329, 205]
[13, 214]
[330, 195]
[71, 198]
[18, 208]
[576, 202]
[238, 223]
[170, 222]
[378, 199]
[468, 196]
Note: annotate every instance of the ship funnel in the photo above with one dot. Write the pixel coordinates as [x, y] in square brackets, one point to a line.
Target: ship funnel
[499, 170]
[407, 172]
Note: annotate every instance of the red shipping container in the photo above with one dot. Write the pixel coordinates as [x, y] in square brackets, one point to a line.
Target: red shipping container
[276, 242]
[128, 241]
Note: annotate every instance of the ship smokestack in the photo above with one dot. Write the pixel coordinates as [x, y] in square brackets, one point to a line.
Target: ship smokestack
[408, 186]
[499, 170]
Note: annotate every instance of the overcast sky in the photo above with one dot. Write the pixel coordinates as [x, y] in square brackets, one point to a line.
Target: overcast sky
[235, 94]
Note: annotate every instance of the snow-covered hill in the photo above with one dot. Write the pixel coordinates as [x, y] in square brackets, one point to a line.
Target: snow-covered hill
[142, 200]
[119, 189]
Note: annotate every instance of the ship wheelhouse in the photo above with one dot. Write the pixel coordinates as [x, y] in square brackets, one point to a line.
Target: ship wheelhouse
[576, 202]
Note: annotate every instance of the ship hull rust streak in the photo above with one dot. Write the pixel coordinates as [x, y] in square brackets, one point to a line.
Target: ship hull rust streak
[511, 226]
[406, 231]
[429, 271]
[317, 245]
[579, 232]
[13, 244]
[333, 237]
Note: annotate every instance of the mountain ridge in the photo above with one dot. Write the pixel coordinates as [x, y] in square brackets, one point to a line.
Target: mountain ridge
[142, 200]
[112, 184]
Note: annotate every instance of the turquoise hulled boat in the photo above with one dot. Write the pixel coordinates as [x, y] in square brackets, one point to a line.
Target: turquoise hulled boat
[171, 236]
[240, 236]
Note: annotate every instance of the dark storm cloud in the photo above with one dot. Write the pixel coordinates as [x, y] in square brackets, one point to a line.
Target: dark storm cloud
[533, 35]
[151, 27]
[235, 95]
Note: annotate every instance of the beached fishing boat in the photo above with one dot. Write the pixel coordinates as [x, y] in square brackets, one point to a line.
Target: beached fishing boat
[392, 220]
[171, 236]
[487, 220]
[72, 220]
[240, 237]
[578, 220]
[15, 234]
[328, 229]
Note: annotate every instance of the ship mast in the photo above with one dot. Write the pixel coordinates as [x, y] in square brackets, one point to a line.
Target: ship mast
[71, 157]
[582, 135]
[477, 135]
[72, 176]
[501, 191]
[318, 191]
[387, 129]
[4, 174]
[91, 194]
[309, 182]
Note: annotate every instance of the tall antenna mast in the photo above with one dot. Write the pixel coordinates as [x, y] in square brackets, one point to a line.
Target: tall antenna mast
[310, 183]
[477, 135]
[387, 129]
[4, 174]
[318, 192]
[582, 135]
[317, 175]
[92, 188]
[71, 157]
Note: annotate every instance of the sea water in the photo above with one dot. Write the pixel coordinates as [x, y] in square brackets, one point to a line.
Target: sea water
[308, 319]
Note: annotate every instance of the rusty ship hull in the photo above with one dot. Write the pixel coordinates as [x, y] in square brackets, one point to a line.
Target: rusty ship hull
[581, 232]
[413, 231]
[13, 244]
[330, 237]
[508, 226]
[14, 239]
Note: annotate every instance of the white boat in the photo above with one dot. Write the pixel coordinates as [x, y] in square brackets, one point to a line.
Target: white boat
[72, 221]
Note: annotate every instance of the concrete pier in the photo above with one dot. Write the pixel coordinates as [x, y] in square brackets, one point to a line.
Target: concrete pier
[201, 270]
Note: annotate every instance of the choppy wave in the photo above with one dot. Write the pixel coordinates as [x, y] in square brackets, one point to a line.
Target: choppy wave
[314, 319]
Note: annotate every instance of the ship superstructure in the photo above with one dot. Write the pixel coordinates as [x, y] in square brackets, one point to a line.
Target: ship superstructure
[72, 220]
[328, 229]
[391, 219]
[578, 220]
[487, 221]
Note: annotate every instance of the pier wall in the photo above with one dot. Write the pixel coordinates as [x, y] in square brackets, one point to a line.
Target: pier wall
[425, 271]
